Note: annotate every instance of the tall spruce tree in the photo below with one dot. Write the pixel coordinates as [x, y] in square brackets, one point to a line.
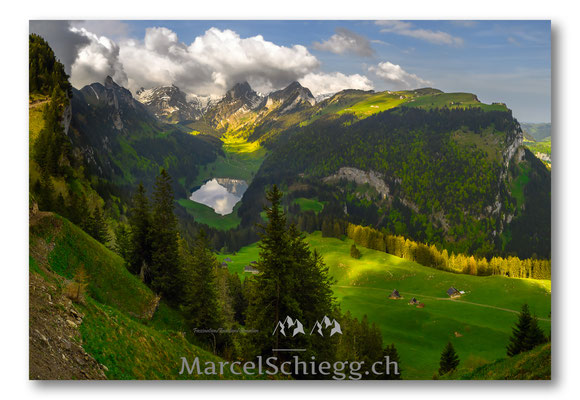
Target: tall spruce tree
[200, 297]
[122, 241]
[164, 241]
[98, 226]
[526, 334]
[273, 294]
[449, 360]
[393, 356]
[139, 252]
[293, 282]
[354, 251]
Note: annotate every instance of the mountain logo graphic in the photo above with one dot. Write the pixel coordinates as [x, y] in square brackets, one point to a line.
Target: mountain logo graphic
[287, 324]
[322, 326]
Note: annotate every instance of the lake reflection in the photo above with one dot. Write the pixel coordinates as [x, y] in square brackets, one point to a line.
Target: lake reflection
[221, 194]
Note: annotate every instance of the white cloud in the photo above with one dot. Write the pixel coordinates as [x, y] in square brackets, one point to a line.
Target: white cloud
[209, 65]
[346, 41]
[323, 83]
[213, 62]
[397, 77]
[408, 29]
[96, 60]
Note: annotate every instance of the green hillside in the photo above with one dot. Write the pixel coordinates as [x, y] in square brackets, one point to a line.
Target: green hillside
[541, 149]
[535, 364]
[117, 328]
[483, 316]
[538, 131]
[206, 215]
[453, 101]
[542, 146]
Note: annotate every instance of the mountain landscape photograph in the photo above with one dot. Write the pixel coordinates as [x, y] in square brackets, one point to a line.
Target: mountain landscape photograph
[290, 200]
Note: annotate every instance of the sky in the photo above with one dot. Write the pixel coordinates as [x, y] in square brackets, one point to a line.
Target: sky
[499, 61]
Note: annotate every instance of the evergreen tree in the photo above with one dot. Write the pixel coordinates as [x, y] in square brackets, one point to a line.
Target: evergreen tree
[391, 352]
[327, 228]
[122, 241]
[449, 360]
[273, 296]
[293, 282]
[236, 293]
[44, 190]
[164, 241]
[200, 298]
[526, 334]
[139, 252]
[354, 252]
[98, 228]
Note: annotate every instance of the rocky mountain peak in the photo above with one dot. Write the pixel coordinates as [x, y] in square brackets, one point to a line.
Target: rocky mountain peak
[291, 97]
[169, 103]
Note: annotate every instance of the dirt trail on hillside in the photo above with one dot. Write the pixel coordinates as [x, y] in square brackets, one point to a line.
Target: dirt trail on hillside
[443, 299]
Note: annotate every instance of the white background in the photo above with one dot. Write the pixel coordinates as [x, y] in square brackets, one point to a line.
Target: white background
[14, 195]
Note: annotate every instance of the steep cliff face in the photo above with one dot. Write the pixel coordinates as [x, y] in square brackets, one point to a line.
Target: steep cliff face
[374, 179]
[66, 118]
[512, 153]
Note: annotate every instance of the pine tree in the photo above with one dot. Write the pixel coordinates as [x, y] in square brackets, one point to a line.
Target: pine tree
[236, 293]
[122, 241]
[449, 360]
[139, 255]
[354, 252]
[391, 352]
[272, 297]
[98, 228]
[526, 334]
[327, 228]
[164, 241]
[200, 296]
[293, 282]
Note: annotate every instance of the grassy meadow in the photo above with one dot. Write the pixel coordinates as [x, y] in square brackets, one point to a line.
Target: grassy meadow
[309, 204]
[206, 215]
[483, 317]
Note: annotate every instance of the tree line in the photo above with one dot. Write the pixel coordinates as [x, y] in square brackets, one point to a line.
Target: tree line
[431, 256]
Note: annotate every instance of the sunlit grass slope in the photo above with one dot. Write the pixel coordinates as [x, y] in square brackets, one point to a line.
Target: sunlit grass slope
[483, 317]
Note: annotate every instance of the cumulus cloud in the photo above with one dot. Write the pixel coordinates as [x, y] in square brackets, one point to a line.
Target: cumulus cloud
[209, 65]
[64, 42]
[96, 60]
[346, 41]
[408, 29]
[322, 83]
[397, 77]
[213, 62]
